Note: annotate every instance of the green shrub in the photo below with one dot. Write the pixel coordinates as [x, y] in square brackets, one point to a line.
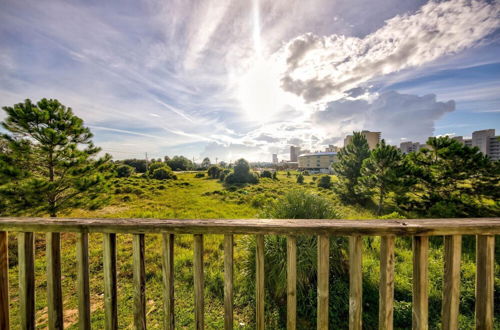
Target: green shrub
[241, 174]
[124, 171]
[300, 179]
[162, 173]
[214, 171]
[266, 174]
[306, 173]
[199, 175]
[325, 181]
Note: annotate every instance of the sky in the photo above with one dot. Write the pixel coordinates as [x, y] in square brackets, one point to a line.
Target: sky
[231, 79]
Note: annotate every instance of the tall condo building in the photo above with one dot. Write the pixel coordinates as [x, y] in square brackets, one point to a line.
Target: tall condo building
[294, 153]
[275, 159]
[408, 146]
[373, 139]
[485, 140]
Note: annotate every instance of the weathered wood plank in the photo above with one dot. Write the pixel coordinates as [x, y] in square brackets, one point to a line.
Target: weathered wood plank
[420, 227]
[228, 282]
[4, 281]
[199, 283]
[259, 282]
[27, 280]
[54, 290]
[139, 275]
[420, 283]
[82, 256]
[386, 288]
[291, 275]
[485, 265]
[355, 282]
[451, 281]
[110, 296]
[323, 277]
[168, 280]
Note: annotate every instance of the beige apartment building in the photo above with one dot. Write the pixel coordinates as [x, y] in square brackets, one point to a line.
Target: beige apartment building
[485, 140]
[373, 139]
[317, 162]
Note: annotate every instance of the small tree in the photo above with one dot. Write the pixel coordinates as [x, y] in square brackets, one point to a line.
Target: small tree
[241, 173]
[162, 173]
[50, 166]
[275, 175]
[325, 181]
[348, 168]
[124, 171]
[214, 171]
[205, 163]
[266, 174]
[300, 179]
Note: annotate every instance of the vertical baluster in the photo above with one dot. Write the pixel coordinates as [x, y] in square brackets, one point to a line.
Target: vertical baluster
[451, 285]
[82, 255]
[199, 304]
[291, 273]
[485, 265]
[355, 282]
[259, 281]
[139, 274]
[27, 280]
[54, 290]
[110, 297]
[420, 282]
[386, 288]
[228, 282]
[168, 280]
[4, 281]
[323, 274]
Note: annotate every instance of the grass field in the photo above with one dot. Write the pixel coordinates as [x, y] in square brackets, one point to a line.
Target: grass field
[192, 198]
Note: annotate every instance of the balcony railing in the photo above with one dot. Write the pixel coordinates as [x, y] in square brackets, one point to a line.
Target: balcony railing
[419, 230]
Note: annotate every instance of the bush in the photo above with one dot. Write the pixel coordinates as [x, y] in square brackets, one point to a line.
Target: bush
[214, 171]
[306, 173]
[266, 174]
[241, 174]
[275, 175]
[325, 181]
[163, 173]
[199, 175]
[124, 171]
[300, 179]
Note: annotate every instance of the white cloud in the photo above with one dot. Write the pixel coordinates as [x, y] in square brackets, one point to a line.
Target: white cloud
[324, 67]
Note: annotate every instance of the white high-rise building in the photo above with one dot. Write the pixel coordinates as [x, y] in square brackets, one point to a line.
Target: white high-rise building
[294, 153]
[275, 159]
[485, 140]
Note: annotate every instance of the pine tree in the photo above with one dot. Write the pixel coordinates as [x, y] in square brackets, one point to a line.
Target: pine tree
[381, 172]
[348, 168]
[50, 163]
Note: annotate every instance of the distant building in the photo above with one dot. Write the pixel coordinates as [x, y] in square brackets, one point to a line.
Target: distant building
[373, 139]
[294, 153]
[485, 140]
[408, 146]
[332, 148]
[275, 159]
[317, 162]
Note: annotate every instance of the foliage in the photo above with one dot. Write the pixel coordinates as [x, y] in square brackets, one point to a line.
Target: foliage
[140, 165]
[266, 174]
[214, 171]
[163, 173]
[199, 175]
[381, 171]
[50, 165]
[124, 171]
[325, 181]
[241, 174]
[180, 163]
[275, 175]
[348, 168]
[205, 164]
[300, 179]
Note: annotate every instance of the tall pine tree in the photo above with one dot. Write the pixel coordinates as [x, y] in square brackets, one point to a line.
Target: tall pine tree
[49, 164]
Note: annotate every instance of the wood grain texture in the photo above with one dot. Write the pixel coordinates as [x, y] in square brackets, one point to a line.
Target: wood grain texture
[291, 276]
[451, 281]
[323, 277]
[228, 282]
[139, 275]
[54, 290]
[110, 295]
[82, 256]
[485, 265]
[199, 283]
[259, 282]
[355, 282]
[420, 227]
[168, 281]
[27, 280]
[4, 281]
[386, 286]
[420, 313]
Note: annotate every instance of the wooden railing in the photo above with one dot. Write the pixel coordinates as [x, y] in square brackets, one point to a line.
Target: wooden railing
[420, 230]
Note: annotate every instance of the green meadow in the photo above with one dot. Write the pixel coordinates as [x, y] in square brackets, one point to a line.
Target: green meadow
[195, 198]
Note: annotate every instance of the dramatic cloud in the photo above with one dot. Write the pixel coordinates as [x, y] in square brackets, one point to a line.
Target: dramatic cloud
[324, 67]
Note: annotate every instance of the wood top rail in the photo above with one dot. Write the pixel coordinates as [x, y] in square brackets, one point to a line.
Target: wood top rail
[420, 227]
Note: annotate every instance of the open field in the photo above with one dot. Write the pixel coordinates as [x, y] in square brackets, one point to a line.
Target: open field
[191, 198]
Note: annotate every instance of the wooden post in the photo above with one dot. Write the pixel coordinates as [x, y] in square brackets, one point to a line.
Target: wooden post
[291, 273]
[27, 279]
[355, 282]
[259, 281]
[139, 274]
[451, 285]
[485, 265]
[4, 281]
[82, 255]
[228, 282]
[168, 281]
[386, 288]
[420, 283]
[199, 303]
[110, 297]
[323, 275]
[54, 290]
